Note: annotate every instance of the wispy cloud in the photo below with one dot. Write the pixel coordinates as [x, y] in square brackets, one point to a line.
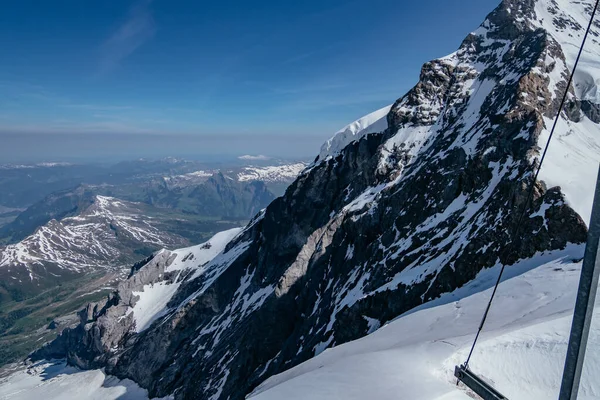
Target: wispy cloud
[137, 29]
[249, 157]
[16, 91]
[55, 113]
[98, 107]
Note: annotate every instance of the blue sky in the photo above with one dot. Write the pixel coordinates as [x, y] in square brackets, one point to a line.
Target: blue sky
[237, 76]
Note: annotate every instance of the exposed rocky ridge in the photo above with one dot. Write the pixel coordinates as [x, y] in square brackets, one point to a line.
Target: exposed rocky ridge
[213, 194]
[108, 234]
[105, 324]
[391, 221]
[272, 173]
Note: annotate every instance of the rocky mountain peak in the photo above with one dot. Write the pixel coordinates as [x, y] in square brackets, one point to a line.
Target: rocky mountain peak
[401, 207]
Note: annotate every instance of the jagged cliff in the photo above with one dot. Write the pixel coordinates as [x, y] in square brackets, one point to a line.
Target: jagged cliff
[375, 227]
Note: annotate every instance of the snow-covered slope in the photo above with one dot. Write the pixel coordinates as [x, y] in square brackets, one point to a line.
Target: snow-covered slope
[522, 350]
[57, 381]
[373, 122]
[189, 179]
[276, 173]
[38, 165]
[574, 153]
[153, 297]
[250, 157]
[273, 173]
[102, 236]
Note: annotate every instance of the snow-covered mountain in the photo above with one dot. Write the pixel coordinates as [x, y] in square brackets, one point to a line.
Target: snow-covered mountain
[393, 216]
[371, 123]
[276, 173]
[188, 179]
[258, 157]
[38, 165]
[157, 289]
[272, 173]
[74, 246]
[522, 350]
[106, 234]
[57, 381]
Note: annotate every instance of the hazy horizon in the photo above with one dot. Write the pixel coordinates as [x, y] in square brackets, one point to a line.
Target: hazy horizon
[114, 148]
[125, 79]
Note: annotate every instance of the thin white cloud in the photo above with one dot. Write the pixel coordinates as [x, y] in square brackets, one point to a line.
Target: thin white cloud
[254, 158]
[136, 30]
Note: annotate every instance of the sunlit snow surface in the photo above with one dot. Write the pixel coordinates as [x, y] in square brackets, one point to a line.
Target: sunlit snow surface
[87, 240]
[273, 173]
[574, 153]
[522, 350]
[153, 299]
[57, 381]
[371, 123]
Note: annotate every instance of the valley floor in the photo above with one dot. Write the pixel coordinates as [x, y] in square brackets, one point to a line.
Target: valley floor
[23, 334]
[522, 350]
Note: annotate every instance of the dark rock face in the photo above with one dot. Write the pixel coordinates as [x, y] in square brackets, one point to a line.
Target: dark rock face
[221, 195]
[103, 326]
[393, 221]
[218, 196]
[591, 110]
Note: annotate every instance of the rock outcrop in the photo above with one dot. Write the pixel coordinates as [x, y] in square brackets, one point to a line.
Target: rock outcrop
[390, 221]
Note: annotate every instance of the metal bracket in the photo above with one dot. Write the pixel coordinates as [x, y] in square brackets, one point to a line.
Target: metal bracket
[476, 384]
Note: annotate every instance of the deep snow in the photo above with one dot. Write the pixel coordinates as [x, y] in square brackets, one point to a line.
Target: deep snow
[370, 123]
[574, 153]
[521, 351]
[153, 299]
[57, 381]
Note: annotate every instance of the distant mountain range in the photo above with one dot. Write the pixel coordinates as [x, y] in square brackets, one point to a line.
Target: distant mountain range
[109, 225]
[90, 235]
[22, 185]
[228, 191]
